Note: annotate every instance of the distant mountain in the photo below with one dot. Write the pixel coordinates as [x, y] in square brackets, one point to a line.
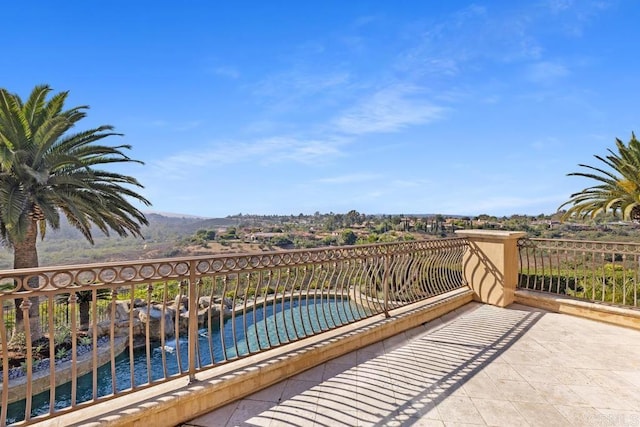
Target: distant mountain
[212, 223]
[173, 215]
[163, 237]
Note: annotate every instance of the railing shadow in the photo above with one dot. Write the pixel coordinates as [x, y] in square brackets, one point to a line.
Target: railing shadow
[456, 353]
[397, 383]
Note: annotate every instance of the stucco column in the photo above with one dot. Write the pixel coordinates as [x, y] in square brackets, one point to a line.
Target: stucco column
[491, 264]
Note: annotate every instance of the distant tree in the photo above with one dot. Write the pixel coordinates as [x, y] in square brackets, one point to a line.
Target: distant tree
[618, 189]
[281, 241]
[46, 171]
[349, 237]
[351, 218]
[371, 238]
[329, 241]
[330, 222]
[229, 234]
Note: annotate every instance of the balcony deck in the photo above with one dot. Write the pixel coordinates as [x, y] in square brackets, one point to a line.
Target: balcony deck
[479, 365]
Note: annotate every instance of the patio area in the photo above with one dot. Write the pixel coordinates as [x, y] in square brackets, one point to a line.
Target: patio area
[478, 365]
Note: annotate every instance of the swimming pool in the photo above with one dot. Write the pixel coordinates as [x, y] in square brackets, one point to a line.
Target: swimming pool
[264, 326]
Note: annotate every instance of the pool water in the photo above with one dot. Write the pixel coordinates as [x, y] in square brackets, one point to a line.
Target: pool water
[261, 328]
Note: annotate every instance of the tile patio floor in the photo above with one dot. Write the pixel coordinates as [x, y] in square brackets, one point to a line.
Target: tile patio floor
[480, 365]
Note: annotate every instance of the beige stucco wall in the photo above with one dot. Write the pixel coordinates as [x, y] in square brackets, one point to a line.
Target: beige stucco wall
[621, 316]
[491, 265]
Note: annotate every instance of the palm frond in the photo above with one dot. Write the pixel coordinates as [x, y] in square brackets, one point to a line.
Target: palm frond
[47, 171]
[618, 190]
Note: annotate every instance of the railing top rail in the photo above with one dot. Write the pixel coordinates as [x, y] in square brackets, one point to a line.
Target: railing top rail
[112, 273]
[582, 245]
[374, 248]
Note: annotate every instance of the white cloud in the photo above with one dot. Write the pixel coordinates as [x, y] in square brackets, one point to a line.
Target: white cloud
[227, 71]
[546, 72]
[387, 110]
[405, 183]
[263, 151]
[576, 15]
[309, 151]
[547, 143]
[175, 126]
[349, 179]
[557, 6]
[298, 84]
[506, 205]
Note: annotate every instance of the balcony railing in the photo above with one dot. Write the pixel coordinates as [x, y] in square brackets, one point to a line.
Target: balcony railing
[605, 272]
[175, 317]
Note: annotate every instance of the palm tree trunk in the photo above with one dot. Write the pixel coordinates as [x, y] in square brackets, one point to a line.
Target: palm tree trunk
[84, 307]
[25, 255]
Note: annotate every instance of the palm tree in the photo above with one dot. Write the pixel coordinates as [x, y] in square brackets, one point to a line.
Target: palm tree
[618, 189]
[46, 170]
[84, 299]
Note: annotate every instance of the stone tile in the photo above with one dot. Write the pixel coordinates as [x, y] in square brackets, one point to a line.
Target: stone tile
[616, 417]
[582, 415]
[514, 357]
[540, 414]
[398, 419]
[349, 359]
[313, 374]
[219, 417]
[586, 362]
[631, 376]
[271, 394]
[599, 397]
[426, 422]
[295, 387]
[501, 371]
[433, 325]
[251, 413]
[335, 415]
[422, 409]
[482, 386]
[394, 342]
[555, 343]
[498, 412]
[572, 376]
[372, 372]
[376, 402]
[341, 393]
[519, 391]
[456, 424]
[535, 373]
[461, 371]
[558, 394]
[607, 379]
[375, 348]
[415, 333]
[530, 345]
[407, 375]
[332, 369]
[296, 415]
[458, 409]
[365, 356]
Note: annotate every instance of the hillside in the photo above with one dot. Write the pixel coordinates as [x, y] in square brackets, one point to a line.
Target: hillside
[162, 238]
[174, 235]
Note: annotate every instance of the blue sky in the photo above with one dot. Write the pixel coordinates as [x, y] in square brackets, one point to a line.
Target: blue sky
[290, 107]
